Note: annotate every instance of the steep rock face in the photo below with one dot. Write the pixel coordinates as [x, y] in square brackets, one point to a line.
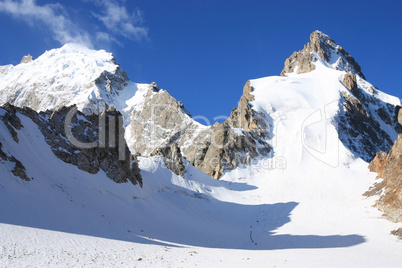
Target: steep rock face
[157, 125]
[246, 118]
[238, 140]
[19, 169]
[327, 50]
[13, 124]
[91, 142]
[158, 122]
[360, 121]
[173, 158]
[389, 168]
[162, 126]
[112, 82]
[366, 124]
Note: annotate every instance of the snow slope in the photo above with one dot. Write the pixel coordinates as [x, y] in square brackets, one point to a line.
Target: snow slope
[290, 210]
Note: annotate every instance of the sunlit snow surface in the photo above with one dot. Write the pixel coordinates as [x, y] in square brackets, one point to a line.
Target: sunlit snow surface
[302, 207]
[307, 215]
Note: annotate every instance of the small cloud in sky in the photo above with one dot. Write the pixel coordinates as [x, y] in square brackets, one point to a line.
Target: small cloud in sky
[117, 20]
[52, 15]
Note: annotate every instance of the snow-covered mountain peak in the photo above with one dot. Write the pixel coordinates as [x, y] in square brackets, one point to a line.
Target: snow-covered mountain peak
[323, 47]
[70, 75]
[73, 56]
[72, 49]
[360, 116]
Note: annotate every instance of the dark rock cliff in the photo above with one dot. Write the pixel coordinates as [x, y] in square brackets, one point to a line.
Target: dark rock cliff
[90, 142]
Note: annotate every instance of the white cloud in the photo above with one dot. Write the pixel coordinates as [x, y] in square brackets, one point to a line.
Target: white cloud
[52, 15]
[118, 22]
[117, 19]
[106, 39]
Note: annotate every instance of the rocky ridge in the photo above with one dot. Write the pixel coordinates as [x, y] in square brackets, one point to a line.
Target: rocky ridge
[325, 48]
[359, 124]
[238, 140]
[162, 126]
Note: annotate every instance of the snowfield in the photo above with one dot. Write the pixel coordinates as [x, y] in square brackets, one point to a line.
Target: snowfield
[301, 213]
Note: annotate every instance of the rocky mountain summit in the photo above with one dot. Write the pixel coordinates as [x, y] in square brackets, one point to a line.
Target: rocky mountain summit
[63, 77]
[364, 111]
[322, 46]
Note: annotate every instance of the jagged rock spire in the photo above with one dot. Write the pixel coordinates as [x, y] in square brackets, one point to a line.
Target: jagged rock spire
[325, 48]
[26, 59]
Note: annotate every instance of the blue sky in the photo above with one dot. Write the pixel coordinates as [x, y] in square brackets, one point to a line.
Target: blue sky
[203, 52]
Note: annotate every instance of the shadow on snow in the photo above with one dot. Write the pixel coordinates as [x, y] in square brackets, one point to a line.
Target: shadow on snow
[174, 218]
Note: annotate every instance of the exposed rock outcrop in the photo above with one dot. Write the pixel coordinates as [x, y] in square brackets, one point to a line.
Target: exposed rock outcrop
[26, 59]
[173, 159]
[13, 123]
[19, 169]
[158, 122]
[245, 117]
[397, 233]
[398, 113]
[397, 118]
[91, 142]
[359, 128]
[238, 140]
[389, 168]
[327, 50]
[162, 126]
[349, 81]
[112, 82]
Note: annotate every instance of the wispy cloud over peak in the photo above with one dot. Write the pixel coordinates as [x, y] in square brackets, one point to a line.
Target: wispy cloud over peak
[51, 15]
[117, 19]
